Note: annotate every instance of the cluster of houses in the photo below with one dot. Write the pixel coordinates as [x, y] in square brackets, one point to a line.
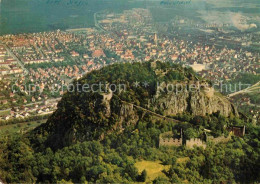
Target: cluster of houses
[36, 47]
[33, 110]
[8, 65]
[131, 37]
[128, 36]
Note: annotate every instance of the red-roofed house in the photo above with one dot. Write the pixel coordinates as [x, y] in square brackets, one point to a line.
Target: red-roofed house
[98, 53]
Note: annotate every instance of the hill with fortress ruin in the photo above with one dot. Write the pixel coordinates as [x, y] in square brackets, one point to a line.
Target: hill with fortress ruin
[156, 89]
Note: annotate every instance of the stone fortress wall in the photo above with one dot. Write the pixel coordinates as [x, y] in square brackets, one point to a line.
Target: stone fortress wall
[166, 139]
[170, 142]
[195, 142]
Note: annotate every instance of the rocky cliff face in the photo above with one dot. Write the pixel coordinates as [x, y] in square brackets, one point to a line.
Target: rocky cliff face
[88, 116]
[196, 103]
[127, 116]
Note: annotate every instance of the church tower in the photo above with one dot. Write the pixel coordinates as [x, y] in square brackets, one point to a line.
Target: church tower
[155, 38]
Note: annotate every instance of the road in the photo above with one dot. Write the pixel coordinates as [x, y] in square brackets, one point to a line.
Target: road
[14, 56]
[97, 24]
[39, 50]
[48, 101]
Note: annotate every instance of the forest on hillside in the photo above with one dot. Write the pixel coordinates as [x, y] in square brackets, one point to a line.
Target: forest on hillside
[113, 160]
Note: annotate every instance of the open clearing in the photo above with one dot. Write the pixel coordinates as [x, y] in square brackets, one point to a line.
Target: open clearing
[153, 168]
[16, 128]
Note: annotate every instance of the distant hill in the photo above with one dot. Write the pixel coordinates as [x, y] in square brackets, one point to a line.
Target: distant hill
[119, 95]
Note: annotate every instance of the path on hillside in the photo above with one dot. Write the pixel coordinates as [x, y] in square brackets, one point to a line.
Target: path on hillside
[247, 90]
[149, 111]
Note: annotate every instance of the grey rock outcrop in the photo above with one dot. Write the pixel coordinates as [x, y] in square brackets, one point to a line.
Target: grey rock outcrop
[198, 102]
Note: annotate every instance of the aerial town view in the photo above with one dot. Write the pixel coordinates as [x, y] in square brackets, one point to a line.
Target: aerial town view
[177, 81]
